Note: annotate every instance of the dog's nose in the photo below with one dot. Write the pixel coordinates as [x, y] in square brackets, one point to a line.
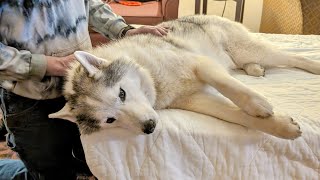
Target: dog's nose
[149, 126]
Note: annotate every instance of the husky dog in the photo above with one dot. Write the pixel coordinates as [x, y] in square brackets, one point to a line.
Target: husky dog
[123, 83]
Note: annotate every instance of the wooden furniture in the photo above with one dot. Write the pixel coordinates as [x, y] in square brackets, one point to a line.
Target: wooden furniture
[149, 13]
[239, 8]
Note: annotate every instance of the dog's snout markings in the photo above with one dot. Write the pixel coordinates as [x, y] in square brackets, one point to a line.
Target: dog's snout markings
[149, 126]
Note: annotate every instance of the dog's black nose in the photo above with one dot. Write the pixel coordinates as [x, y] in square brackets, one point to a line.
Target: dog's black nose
[149, 126]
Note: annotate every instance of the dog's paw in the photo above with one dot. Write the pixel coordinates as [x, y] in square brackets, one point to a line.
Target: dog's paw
[253, 69]
[284, 127]
[258, 106]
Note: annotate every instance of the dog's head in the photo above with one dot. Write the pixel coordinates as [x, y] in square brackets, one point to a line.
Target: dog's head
[106, 94]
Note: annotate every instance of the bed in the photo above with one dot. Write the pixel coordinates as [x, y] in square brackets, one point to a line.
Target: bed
[186, 145]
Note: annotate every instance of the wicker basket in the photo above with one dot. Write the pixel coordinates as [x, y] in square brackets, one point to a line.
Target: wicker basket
[291, 17]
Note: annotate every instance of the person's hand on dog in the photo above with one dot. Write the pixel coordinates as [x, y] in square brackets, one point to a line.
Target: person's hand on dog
[58, 66]
[155, 30]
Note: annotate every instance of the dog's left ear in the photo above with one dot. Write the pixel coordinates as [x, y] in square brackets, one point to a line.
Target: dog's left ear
[90, 62]
[64, 113]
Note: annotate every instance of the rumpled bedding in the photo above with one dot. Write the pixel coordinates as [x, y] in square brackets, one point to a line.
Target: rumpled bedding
[191, 146]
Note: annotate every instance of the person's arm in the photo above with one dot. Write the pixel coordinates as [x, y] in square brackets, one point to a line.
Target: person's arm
[20, 65]
[113, 26]
[105, 21]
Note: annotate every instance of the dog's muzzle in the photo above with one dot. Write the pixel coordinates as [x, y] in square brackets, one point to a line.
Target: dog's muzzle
[149, 126]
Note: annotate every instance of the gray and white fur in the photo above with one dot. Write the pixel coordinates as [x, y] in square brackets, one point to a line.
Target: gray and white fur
[173, 72]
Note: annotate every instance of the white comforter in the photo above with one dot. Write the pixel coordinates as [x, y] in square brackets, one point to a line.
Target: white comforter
[187, 145]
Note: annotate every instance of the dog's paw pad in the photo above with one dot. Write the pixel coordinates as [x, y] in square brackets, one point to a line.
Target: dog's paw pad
[287, 128]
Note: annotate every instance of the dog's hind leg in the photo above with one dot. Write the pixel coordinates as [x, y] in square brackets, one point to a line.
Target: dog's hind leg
[251, 102]
[283, 59]
[250, 51]
[278, 125]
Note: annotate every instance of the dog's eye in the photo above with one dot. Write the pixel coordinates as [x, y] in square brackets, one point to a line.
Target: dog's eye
[110, 120]
[122, 95]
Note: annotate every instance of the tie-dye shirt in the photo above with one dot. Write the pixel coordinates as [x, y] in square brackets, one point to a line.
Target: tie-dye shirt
[29, 30]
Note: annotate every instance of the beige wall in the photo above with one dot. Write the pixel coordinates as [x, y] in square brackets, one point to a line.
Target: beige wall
[252, 13]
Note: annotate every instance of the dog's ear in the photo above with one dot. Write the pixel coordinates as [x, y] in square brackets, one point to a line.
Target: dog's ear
[90, 62]
[64, 113]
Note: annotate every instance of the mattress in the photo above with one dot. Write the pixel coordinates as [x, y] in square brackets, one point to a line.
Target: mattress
[187, 145]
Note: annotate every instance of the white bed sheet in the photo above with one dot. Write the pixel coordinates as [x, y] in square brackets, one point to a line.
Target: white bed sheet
[187, 145]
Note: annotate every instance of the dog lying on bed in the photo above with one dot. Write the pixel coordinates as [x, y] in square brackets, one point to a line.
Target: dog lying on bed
[123, 83]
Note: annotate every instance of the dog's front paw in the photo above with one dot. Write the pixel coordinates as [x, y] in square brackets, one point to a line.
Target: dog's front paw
[284, 127]
[258, 106]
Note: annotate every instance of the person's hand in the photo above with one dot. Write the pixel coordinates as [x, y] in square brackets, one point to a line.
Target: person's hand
[58, 66]
[155, 30]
